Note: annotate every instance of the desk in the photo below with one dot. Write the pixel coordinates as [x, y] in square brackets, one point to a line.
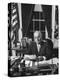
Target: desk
[23, 51]
[42, 68]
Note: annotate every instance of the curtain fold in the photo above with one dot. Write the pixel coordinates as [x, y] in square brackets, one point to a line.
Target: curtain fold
[48, 12]
[27, 10]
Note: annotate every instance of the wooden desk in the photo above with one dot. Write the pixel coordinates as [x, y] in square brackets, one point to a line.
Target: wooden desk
[44, 68]
[23, 51]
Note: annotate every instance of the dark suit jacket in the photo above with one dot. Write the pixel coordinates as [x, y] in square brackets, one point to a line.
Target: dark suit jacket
[44, 50]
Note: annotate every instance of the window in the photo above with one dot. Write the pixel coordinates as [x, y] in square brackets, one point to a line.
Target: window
[38, 23]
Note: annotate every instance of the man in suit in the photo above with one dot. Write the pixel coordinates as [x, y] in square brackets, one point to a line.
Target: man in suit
[39, 48]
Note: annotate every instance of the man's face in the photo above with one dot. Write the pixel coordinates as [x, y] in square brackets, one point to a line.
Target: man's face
[37, 38]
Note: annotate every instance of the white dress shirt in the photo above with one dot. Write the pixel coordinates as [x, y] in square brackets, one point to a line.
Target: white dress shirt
[38, 47]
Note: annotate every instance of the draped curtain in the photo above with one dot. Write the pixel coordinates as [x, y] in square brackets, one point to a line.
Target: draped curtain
[27, 10]
[48, 19]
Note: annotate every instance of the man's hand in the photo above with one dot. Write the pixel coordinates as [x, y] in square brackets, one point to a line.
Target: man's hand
[26, 57]
[41, 58]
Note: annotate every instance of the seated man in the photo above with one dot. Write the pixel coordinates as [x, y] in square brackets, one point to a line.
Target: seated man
[39, 48]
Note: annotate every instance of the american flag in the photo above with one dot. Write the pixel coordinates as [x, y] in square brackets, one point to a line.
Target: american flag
[14, 20]
[13, 23]
[14, 15]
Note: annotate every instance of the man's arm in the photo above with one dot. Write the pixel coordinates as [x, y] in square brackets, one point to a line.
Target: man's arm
[48, 52]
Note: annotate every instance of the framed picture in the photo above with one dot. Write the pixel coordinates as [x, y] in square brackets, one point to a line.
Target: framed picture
[33, 36]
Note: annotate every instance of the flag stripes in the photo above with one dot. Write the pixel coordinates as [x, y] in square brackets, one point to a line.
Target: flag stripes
[13, 22]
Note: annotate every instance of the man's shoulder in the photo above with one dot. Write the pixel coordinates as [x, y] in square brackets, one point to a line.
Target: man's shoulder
[33, 43]
[42, 42]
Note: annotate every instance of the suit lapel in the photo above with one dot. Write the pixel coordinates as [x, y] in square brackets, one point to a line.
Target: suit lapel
[36, 48]
[41, 49]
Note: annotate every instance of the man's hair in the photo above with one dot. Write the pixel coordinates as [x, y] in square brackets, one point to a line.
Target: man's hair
[38, 32]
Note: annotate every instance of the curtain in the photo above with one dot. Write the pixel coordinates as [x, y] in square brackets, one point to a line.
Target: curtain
[48, 12]
[27, 10]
